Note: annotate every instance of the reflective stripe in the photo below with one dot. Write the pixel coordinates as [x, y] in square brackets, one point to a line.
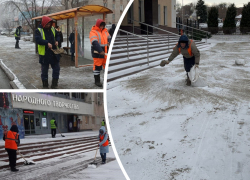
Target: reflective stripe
[94, 37]
[103, 45]
[11, 139]
[100, 39]
[96, 72]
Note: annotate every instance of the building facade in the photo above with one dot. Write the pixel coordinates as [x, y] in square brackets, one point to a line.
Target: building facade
[32, 112]
[153, 12]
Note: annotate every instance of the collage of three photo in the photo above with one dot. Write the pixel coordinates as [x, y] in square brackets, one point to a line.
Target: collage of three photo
[124, 89]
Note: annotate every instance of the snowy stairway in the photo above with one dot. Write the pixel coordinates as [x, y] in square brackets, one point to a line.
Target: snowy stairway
[47, 150]
[159, 49]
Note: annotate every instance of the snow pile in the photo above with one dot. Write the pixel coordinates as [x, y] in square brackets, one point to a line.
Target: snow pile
[240, 62]
[92, 166]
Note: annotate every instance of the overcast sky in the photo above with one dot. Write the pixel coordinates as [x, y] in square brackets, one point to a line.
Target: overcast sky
[238, 3]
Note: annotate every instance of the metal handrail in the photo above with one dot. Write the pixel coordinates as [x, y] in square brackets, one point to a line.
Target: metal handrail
[155, 27]
[169, 31]
[195, 29]
[192, 27]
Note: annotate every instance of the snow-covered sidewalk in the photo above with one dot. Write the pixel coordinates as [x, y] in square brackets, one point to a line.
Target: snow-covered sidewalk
[163, 129]
[24, 63]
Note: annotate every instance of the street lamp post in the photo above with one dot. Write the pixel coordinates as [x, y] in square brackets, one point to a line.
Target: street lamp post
[198, 22]
[182, 12]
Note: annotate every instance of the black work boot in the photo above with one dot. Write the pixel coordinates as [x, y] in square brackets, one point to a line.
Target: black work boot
[97, 80]
[54, 84]
[45, 84]
[14, 169]
[188, 82]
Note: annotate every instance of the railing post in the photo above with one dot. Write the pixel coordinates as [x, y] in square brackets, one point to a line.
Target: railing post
[168, 41]
[192, 33]
[206, 37]
[147, 45]
[133, 28]
[127, 47]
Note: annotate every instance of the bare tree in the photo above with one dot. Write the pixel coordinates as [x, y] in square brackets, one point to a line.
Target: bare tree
[32, 8]
[6, 24]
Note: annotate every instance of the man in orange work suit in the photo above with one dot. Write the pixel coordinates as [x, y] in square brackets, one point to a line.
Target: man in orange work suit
[99, 39]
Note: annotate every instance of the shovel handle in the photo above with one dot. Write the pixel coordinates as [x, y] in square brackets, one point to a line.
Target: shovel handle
[96, 152]
[98, 53]
[21, 155]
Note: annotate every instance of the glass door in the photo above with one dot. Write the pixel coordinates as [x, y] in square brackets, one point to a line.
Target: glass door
[29, 124]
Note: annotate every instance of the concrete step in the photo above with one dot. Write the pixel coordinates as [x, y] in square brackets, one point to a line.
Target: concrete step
[138, 61]
[122, 67]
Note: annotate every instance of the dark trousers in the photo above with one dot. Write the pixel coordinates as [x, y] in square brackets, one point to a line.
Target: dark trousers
[103, 155]
[12, 157]
[72, 56]
[188, 63]
[17, 43]
[55, 72]
[53, 132]
[59, 44]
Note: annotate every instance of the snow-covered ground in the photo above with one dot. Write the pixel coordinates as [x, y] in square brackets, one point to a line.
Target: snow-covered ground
[64, 167]
[163, 129]
[24, 63]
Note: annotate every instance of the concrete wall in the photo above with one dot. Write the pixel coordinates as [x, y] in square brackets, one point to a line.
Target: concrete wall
[171, 13]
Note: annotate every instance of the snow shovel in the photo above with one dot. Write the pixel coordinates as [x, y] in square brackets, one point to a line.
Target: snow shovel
[25, 161]
[61, 133]
[94, 163]
[98, 53]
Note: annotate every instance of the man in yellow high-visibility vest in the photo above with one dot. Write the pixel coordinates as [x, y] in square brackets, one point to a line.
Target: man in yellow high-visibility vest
[53, 126]
[18, 36]
[47, 38]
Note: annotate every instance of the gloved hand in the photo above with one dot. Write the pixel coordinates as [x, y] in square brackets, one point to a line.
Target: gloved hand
[163, 63]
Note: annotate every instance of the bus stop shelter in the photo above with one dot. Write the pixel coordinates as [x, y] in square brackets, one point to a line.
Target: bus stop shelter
[92, 12]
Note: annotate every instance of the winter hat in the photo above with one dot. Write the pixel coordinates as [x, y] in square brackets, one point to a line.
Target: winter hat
[101, 131]
[98, 22]
[14, 128]
[183, 39]
[113, 26]
[46, 20]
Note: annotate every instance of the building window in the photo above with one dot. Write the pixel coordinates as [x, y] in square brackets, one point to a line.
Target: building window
[113, 6]
[121, 7]
[130, 15]
[140, 14]
[93, 120]
[113, 16]
[86, 120]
